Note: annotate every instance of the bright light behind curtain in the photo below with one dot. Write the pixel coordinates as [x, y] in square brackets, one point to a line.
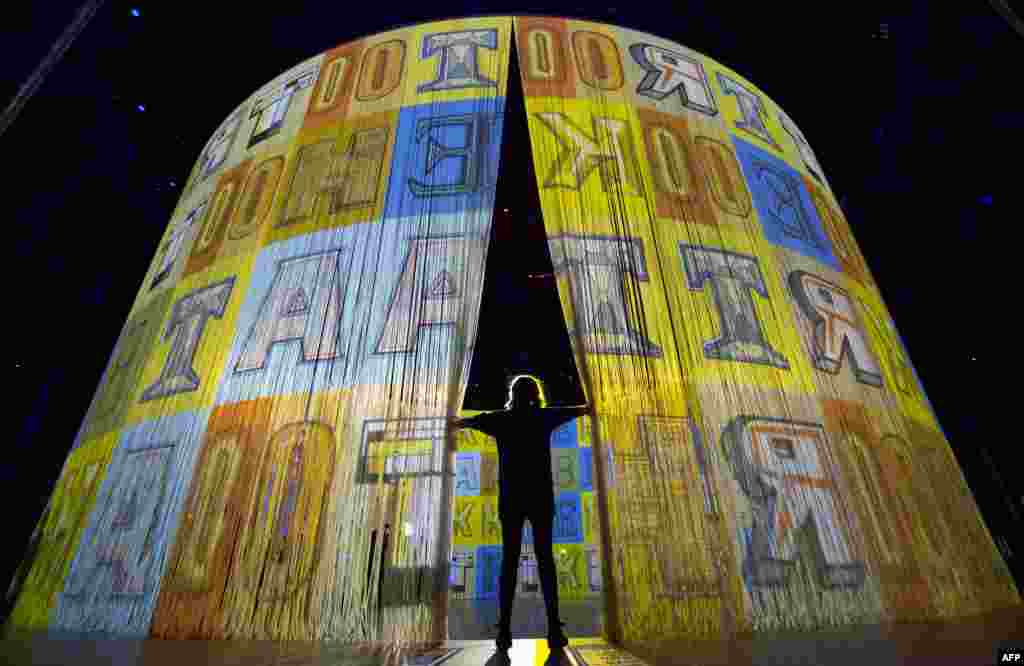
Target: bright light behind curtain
[274, 414]
[754, 475]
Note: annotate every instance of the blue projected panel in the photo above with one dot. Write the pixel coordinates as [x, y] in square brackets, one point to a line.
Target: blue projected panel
[784, 207]
[447, 159]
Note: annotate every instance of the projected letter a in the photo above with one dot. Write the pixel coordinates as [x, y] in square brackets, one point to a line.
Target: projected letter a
[431, 288]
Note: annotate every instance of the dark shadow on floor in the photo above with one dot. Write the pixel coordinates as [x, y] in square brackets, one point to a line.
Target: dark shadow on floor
[474, 619]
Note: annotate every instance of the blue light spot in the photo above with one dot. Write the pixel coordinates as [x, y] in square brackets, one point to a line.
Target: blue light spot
[135, 12]
[985, 200]
[141, 108]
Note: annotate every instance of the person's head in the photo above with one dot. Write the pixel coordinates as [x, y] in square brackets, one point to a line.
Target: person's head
[524, 391]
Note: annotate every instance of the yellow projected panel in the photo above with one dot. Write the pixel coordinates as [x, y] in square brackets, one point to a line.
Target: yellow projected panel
[443, 68]
[60, 531]
[587, 162]
[746, 110]
[337, 177]
[398, 456]
[729, 275]
[191, 350]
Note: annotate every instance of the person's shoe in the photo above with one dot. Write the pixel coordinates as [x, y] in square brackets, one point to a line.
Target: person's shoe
[504, 640]
[556, 637]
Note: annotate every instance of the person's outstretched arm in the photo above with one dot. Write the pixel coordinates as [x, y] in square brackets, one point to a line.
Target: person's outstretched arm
[560, 415]
[478, 422]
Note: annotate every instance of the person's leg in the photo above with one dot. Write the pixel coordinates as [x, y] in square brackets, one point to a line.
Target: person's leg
[512, 542]
[542, 521]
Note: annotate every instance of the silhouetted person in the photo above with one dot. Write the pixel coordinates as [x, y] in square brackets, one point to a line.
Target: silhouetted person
[525, 491]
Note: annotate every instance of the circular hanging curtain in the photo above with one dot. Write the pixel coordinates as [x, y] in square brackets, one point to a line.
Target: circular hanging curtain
[268, 454]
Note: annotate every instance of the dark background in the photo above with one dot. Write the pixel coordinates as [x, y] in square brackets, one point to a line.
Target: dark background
[911, 109]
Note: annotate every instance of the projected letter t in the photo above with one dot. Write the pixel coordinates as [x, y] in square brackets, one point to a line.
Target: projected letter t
[733, 277]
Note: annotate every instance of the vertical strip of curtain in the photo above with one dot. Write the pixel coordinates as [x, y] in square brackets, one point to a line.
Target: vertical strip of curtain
[268, 451]
[764, 454]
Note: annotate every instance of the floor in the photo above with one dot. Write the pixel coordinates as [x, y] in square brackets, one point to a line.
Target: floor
[474, 619]
[969, 642]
